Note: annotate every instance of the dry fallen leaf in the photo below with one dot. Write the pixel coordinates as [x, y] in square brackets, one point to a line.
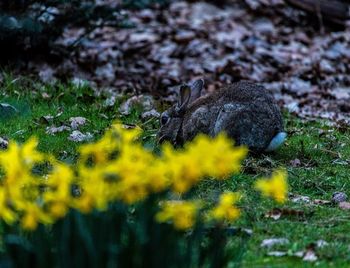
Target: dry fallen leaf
[78, 136]
[344, 205]
[76, 122]
[295, 162]
[3, 143]
[274, 214]
[145, 101]
[46, 119]
[53, 130]
[277, 253]
[129, 126]
[310, 254]
[295, 198]
[150, 114]
[321, 243]
[45, 95]
[270, 242]
[321, 202]
[277, 213]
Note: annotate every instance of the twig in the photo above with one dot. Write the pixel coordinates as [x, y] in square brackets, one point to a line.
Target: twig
[320, 17]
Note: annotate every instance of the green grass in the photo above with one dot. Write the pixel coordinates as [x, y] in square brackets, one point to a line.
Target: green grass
[324, 170]
[323, 151]
[324, 154]
[36, 101]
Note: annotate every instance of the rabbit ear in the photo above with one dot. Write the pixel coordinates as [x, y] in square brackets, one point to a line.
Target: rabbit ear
[185, 95]
[196, 89]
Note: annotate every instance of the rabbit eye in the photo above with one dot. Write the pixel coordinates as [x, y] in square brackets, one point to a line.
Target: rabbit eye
[164, 119]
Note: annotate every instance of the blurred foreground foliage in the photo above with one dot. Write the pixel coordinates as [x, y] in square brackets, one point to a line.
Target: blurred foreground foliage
[122, 205]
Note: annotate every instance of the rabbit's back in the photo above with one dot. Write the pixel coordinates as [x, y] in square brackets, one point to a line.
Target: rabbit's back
[247, 112]
[243, 92]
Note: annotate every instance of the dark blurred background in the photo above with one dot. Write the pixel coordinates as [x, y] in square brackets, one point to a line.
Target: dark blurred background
[299, 49]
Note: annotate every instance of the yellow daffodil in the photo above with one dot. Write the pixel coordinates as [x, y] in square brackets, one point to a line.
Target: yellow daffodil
[225, 209]
[117, 168]
[181, 213]
[275, 187]
[58, 195]
[157, 174]
[225, 159]
[33, 215]
[29, 152]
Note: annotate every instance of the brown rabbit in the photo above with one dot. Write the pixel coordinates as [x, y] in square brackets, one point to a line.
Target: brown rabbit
[244, 110]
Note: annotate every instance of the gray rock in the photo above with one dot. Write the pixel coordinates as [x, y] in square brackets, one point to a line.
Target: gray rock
[339, 197]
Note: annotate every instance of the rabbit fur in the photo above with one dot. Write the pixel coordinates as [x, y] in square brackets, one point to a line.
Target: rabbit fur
[247, 112]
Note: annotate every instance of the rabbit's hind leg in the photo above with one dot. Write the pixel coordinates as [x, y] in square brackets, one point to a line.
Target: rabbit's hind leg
[242, 125]
[226, 113]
